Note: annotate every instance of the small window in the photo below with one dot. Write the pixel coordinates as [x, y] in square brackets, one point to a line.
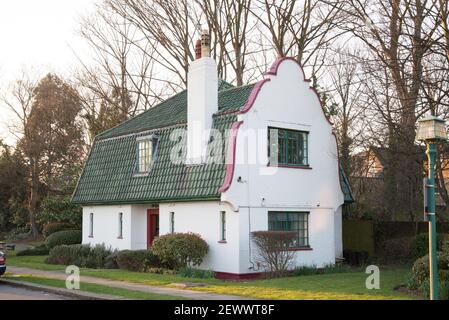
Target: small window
[222, 226]
[172, 222]
[120, 225]
[146, 153]
[291, 147]
[91, 224]
[291, 221]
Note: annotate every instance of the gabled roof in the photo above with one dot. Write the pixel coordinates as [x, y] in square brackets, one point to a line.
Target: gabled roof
[108, 176]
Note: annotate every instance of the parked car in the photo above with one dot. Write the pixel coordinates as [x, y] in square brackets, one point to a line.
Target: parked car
[2, 263]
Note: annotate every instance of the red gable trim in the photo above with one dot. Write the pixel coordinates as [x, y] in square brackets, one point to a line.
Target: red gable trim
[248, 105]
[230, 161]
[252, 97]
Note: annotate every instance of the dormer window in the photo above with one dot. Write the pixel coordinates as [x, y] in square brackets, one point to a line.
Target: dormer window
[146, 153]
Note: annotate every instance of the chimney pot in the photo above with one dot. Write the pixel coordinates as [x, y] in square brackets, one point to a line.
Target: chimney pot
[198, 49]
[205, 44]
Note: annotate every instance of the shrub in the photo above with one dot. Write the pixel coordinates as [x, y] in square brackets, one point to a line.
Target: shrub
[327, 269]
[83, 256]
[273, 249]
[53, 227]
[305, 270]
[422, 244]
[180, 250]
[397, 249]
[196, 273]
[111, 261]
[41, 250]
[59, 209]
[420, 269]
[66, 237]
[139, 260]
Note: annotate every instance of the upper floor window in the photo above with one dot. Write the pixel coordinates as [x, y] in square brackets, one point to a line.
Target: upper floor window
[291, 221]
[146, 151]
[291, 147]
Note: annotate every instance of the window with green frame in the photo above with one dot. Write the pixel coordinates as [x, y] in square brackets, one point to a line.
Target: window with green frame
[290, 148]
[291, 221]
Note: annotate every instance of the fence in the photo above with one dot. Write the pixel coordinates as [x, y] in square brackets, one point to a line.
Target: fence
[364, 239]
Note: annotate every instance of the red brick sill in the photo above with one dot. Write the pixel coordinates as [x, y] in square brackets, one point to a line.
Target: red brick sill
[290, 167]
[300, 249]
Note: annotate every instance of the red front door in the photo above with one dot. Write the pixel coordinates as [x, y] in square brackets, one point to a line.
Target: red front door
[152, 225]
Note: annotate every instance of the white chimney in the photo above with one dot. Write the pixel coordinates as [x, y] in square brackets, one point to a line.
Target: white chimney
[202, 100]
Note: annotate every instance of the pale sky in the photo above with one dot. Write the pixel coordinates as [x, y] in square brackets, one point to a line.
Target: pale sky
[40, 35]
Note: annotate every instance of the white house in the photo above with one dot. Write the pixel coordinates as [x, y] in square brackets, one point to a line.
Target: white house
[268, 161]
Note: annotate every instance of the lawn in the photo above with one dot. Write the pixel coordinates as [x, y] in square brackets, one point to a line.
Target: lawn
[349, 285]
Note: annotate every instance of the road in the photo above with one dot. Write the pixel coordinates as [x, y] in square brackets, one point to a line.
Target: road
[8, 292]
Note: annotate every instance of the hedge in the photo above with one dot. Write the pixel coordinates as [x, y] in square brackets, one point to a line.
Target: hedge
[53, 227]
[67, 237]
[139, 260]
[83, 256]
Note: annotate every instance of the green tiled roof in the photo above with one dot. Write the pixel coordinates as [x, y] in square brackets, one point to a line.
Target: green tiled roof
[108, 176]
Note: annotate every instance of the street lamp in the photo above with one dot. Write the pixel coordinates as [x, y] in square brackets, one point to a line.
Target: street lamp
[431, 130]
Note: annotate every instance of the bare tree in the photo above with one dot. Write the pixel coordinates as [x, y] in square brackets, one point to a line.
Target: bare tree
[229, 22]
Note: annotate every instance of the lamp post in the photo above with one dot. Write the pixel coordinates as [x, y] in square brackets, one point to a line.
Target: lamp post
[431, 130]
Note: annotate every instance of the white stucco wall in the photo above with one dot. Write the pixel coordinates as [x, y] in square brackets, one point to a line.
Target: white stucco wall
[204, 218]
[106, 226]
[287, 101]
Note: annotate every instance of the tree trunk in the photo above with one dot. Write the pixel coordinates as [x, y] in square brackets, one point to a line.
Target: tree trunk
[34, 194]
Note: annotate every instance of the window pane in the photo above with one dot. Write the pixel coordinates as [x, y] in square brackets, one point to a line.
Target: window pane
[292, 146]
[291, 221]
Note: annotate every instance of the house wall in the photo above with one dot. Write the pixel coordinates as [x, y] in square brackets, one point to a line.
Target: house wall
[106, 226]
[286, 100]
[204, 218]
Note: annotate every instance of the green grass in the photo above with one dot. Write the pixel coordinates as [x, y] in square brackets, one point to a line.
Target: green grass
[99, 289]
[349, 285]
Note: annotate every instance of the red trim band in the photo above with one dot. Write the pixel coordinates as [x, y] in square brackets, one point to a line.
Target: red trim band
[253, 95]
[239, 276]
[230, 161]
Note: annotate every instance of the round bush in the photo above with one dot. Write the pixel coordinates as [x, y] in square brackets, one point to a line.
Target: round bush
[64, 237]
[420, 270]
[139, 260]
[83, 256]
[180, 250]
[422, 244]
[53, 227]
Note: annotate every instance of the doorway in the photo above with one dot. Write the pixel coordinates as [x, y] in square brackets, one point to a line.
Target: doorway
[152, 226]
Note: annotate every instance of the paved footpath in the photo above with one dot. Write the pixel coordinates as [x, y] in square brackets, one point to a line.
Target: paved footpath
[189, 294]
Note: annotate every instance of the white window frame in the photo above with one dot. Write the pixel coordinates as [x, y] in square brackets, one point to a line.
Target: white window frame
[91, 224]
[172, 222]
[120, 225]
[223, 226]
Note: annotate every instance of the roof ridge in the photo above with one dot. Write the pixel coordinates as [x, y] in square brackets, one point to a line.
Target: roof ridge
[140, 114]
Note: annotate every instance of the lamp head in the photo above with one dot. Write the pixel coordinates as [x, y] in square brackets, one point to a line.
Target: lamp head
[431, 129]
